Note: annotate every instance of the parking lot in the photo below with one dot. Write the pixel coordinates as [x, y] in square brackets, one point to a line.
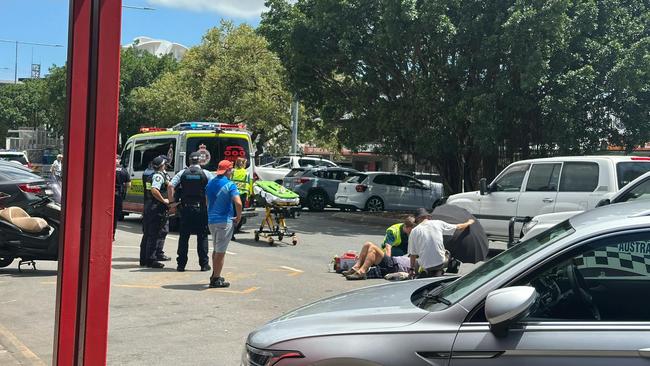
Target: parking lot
[165, 317]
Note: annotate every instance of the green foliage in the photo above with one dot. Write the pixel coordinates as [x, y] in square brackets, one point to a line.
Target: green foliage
[460, 83]
[230, 77]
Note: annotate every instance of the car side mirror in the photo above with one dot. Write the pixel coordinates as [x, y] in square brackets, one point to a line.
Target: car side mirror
[506, 306]
[483, 186]
[603, 202]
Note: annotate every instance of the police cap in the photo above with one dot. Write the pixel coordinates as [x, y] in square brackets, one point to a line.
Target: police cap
[195, 157]
[159, 161]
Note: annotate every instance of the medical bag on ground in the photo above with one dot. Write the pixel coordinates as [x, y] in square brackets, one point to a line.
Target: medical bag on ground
[345, 261]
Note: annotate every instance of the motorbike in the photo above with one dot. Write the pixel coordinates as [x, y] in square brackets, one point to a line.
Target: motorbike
[30, 246]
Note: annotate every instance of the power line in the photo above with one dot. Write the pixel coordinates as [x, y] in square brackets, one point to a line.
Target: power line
[27, 43]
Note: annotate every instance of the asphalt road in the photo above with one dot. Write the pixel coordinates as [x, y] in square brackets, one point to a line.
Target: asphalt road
[164, 317]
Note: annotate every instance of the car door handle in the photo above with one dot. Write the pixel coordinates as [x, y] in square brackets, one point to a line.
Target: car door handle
[511, 199]
[645, 352]
[548, 200]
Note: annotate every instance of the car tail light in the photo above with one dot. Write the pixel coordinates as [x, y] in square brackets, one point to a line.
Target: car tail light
[28, 188]
[301, 180]
[643, 158]
[360, 188]
[255, 177]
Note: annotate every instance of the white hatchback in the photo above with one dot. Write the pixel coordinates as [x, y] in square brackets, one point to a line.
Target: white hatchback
[385, 191]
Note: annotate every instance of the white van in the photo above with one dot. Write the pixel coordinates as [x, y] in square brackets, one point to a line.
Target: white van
[540, 186]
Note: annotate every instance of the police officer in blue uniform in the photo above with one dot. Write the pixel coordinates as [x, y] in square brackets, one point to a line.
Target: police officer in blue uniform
[155, 214]
[190, 185]
[146, 187]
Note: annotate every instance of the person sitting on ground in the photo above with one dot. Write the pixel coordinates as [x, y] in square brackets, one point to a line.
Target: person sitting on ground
[427, 248]
[372, 255]
[394, 246]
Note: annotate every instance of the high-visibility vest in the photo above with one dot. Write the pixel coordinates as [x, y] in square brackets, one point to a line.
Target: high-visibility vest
[242, 180]
[396, 230]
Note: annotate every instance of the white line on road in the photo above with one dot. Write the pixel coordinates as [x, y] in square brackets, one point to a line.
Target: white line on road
[292, 269]
[134, 247]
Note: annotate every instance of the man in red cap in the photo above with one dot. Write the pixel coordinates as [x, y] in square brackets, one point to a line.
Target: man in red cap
[221, 194]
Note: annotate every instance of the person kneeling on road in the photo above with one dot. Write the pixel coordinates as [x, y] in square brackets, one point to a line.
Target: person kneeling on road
[427, 248]
[390, 258]
[221, 193]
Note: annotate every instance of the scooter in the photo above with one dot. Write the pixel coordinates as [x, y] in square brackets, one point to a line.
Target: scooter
[29, 247]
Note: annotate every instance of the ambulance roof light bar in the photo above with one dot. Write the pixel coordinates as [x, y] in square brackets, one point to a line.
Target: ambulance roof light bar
[152, 129]
[214, 126]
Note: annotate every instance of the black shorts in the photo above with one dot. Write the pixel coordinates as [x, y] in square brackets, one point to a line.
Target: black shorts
[387, 265]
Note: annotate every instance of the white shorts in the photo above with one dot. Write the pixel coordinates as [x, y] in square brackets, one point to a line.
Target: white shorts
[221, 234]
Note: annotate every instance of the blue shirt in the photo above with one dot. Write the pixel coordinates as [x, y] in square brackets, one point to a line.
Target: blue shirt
[220, 192]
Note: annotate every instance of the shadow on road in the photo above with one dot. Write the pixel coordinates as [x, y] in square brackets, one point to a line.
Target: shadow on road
[13, 272]
[188, 287]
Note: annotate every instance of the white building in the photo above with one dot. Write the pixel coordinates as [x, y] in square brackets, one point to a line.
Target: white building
[159, 47]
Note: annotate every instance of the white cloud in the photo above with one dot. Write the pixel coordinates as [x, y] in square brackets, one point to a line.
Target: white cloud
[236, 8]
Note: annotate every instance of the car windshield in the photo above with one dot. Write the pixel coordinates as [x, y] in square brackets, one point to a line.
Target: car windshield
[460, 288]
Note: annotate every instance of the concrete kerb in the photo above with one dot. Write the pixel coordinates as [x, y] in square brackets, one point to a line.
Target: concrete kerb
[383, 219]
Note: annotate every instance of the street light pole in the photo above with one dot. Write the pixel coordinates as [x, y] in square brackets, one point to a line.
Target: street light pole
[30, 43]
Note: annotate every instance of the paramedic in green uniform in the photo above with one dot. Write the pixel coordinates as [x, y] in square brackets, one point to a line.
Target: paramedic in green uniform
[396, 240]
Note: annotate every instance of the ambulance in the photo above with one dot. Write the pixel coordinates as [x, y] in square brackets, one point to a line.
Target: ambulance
[214, 141]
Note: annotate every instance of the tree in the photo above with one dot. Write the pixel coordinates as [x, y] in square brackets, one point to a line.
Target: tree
[231, 77]
[469, 85]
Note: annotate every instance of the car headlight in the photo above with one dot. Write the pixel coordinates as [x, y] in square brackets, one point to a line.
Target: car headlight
[259, 357]
[528, 226]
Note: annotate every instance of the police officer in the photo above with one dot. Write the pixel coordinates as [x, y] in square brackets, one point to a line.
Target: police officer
[122, 184]
[191, 183]
[155, 217]
[146, 188]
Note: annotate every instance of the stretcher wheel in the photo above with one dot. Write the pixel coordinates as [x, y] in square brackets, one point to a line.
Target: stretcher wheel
[294, 241]
[280, 236]
[271, 241]
[257, 236]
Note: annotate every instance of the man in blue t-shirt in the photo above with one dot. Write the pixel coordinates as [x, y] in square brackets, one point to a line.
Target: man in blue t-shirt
[221, 193]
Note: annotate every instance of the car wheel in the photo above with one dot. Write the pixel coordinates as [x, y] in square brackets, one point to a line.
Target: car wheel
[317, 201]
[5, 261]
[374, 204]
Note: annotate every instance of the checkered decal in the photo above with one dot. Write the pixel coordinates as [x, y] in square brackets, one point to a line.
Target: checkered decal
[611, 257]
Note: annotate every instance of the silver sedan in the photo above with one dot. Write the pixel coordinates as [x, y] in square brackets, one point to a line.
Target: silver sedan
[578, 293]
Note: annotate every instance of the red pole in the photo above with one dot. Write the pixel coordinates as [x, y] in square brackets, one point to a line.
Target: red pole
[83, 288]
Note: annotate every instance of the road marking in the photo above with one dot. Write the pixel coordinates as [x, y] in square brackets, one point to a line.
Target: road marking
[292, 269]
[247, 291]
[138, 248]
[7, 338]
[7, 302]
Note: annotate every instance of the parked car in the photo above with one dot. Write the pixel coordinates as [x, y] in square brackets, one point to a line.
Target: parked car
[540, 186]
[317, 186]
[638, 189]
[569, 296]
[379, 191]
[21, 184]
[277, 170]
[17, 157]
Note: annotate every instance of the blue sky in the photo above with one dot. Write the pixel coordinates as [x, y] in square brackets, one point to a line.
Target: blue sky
[46, 21]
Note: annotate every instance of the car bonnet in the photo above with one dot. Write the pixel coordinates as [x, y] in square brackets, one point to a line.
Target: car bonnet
[368, 309]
